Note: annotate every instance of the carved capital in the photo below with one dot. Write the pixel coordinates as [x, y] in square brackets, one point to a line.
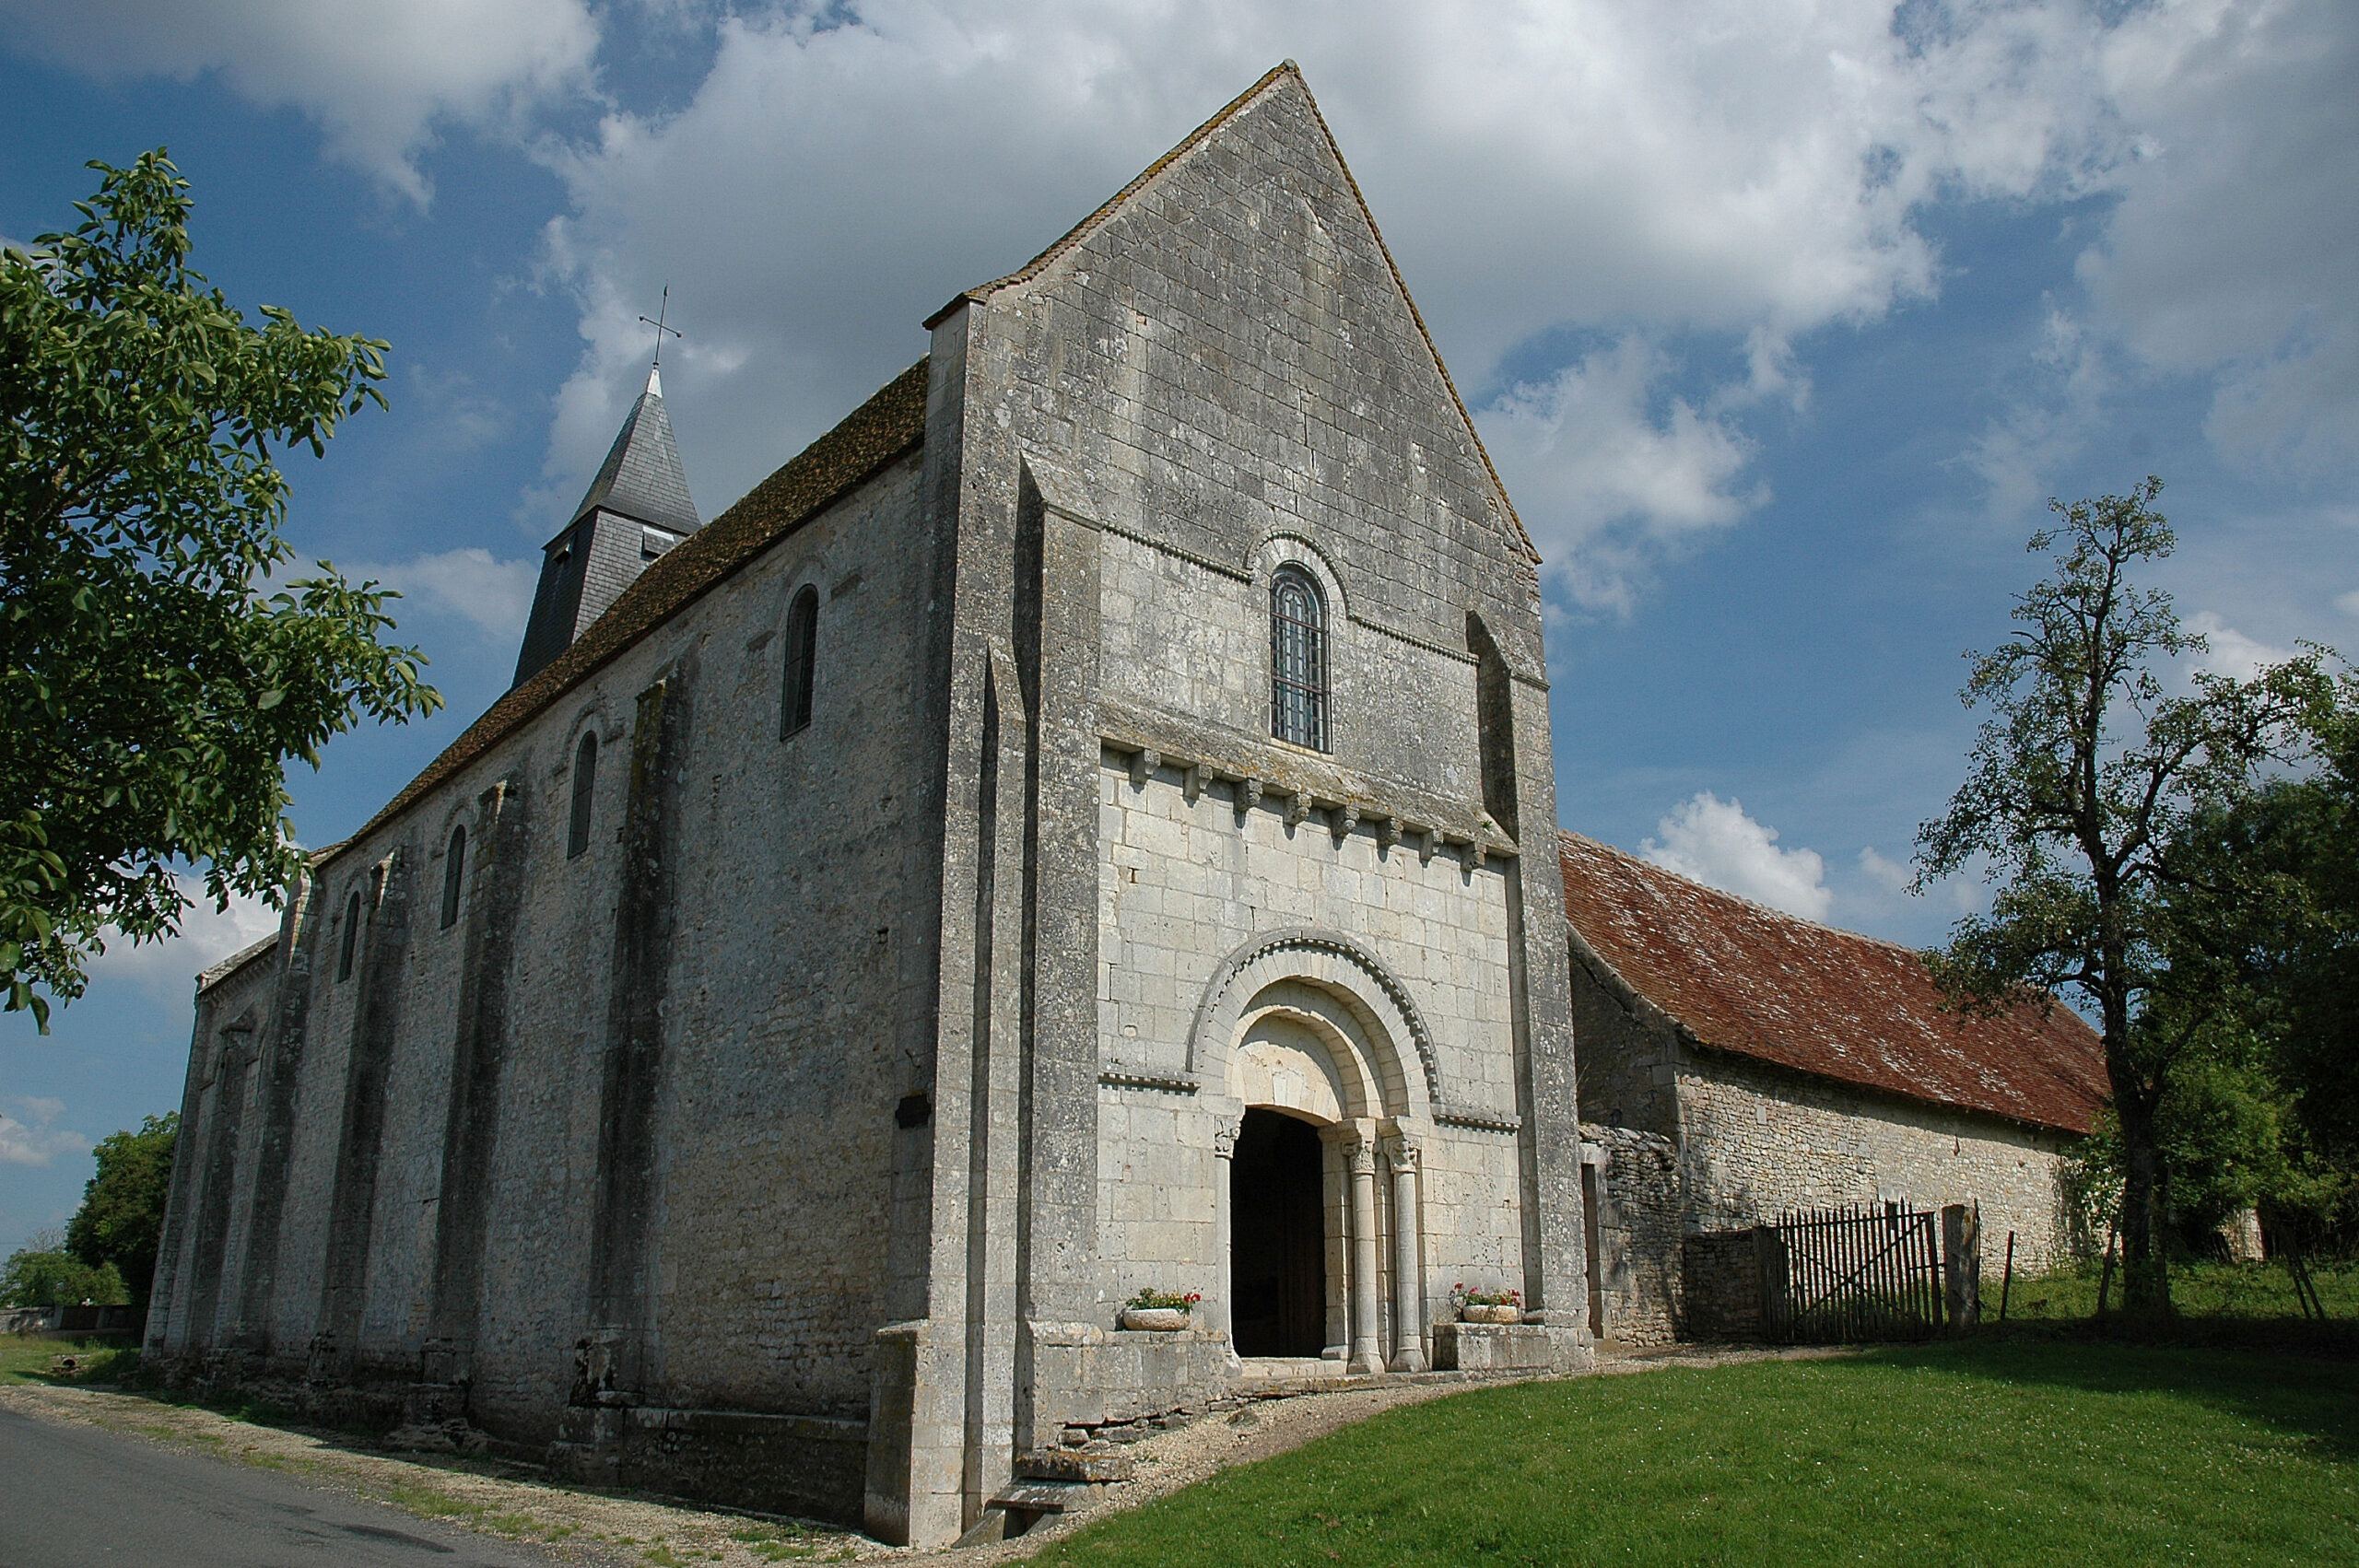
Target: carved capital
[1224, 1137]
[1362, 1154]
[1403, 1151]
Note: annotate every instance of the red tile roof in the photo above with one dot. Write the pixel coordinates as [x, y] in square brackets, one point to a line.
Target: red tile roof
[1753, 982]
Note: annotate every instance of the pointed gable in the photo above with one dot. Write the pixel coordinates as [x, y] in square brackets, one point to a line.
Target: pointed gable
[1235, 304]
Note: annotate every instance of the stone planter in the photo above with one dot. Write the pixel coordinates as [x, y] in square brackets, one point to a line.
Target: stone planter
[1156, 1320]
[1473, 1314]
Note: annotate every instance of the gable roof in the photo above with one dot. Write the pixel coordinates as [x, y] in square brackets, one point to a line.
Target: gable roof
[641, 477]
[889, 425]
[1753, 982]
[1285, 70]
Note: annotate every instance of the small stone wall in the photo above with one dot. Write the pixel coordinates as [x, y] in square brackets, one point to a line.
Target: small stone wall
[815, 1466]
[1721, 1275]
[1638, 1223]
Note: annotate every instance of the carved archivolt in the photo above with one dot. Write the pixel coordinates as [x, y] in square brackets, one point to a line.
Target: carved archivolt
[1334, 962]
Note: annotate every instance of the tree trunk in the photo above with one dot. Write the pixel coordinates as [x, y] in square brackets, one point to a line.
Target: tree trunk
[2145, 1284]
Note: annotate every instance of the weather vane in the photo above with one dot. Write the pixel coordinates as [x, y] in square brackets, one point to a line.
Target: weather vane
[656, 320]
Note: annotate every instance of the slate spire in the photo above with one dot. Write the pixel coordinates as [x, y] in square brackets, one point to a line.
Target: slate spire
[636, 509]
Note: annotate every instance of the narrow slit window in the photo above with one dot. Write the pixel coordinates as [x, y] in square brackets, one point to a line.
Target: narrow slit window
[801, 649]
[1297, 659]
[351, 936]
[585, 784]
[454, 876]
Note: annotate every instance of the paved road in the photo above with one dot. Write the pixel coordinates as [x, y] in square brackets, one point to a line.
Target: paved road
[71, 1496]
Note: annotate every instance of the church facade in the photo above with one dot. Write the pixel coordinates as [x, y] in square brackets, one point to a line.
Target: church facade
[1085, 826]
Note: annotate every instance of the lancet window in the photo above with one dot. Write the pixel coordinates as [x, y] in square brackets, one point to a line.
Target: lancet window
[454, 876]
[801, 651]
[585, 784]
[1297, 659]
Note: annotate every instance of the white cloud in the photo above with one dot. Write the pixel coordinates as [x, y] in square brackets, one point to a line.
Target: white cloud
[2231, 652]
[2347, 602]
[495, 596]
[1892, 876]
[31, 1136]
[1732, 165]
[376, 78]
[1603, 479]
[206, 936]
[2233, 253]
[1716, 843]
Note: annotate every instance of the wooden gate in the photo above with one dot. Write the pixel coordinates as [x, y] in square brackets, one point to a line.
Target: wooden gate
[1836, 1275]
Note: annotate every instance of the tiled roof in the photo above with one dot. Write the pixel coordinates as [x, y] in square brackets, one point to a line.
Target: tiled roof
[1080, 231]
[641, 477]
[889, 425]
[1756, 983]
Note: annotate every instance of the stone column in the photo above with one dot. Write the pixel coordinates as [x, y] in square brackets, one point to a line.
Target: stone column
[1367, 1355]
[1219, 1311]
[1408, 1298]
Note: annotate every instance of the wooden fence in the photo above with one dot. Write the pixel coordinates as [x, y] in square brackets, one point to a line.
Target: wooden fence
[1838, 1275]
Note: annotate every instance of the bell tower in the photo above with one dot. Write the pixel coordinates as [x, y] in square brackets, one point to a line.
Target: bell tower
[636, 509]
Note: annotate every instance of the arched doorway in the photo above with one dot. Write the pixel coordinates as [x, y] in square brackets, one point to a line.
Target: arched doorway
[1278, 1237]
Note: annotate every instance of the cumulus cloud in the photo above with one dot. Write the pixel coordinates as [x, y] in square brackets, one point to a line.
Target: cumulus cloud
[206, 936]
[376, 79]
[1727, 167]
[1892, 876]
[1603, 478]
[2230, 651]
[2233, 250]
[30, 1134]
[1716, 843]
[493, 595]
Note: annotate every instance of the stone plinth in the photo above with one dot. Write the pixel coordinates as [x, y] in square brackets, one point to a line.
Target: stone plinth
[1493, 1347]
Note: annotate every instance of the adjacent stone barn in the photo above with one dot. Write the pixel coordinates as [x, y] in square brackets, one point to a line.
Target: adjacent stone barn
[1060, 835]
[1738, 1063]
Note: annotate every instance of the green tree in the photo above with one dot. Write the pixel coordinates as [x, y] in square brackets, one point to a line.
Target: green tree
[2263, 895]
[122, 1216]
[153, 685]
[2085, 774]
[46, 1274]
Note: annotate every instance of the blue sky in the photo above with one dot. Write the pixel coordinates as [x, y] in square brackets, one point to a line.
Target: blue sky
[1780, 317]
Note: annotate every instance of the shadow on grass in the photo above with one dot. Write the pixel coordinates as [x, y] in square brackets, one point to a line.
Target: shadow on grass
[2314, 1398]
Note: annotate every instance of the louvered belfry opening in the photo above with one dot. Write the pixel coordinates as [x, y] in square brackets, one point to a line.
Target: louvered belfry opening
[1297, 660]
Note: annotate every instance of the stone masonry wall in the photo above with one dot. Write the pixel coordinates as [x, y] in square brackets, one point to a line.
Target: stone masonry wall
[805, 945]
[1182, 885]
[1757, 1143]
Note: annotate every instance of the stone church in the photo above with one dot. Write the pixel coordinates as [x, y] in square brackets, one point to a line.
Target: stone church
[1084, 826]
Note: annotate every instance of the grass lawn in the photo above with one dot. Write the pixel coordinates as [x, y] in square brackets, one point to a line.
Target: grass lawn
[1992, 1452]
[2241, 1290]
[28, 1359]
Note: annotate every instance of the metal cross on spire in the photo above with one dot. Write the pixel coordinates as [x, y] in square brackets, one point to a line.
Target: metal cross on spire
[656, 320]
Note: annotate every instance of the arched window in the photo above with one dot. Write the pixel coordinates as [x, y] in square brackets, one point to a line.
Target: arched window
[802, 648]
[351, 936]
[454, 876]
[585, 782]
[1297, 659]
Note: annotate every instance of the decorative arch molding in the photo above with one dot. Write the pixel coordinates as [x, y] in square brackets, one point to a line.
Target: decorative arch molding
[1320, 956]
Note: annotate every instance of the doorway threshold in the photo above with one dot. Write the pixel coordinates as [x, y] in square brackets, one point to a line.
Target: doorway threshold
[1290, 1369]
